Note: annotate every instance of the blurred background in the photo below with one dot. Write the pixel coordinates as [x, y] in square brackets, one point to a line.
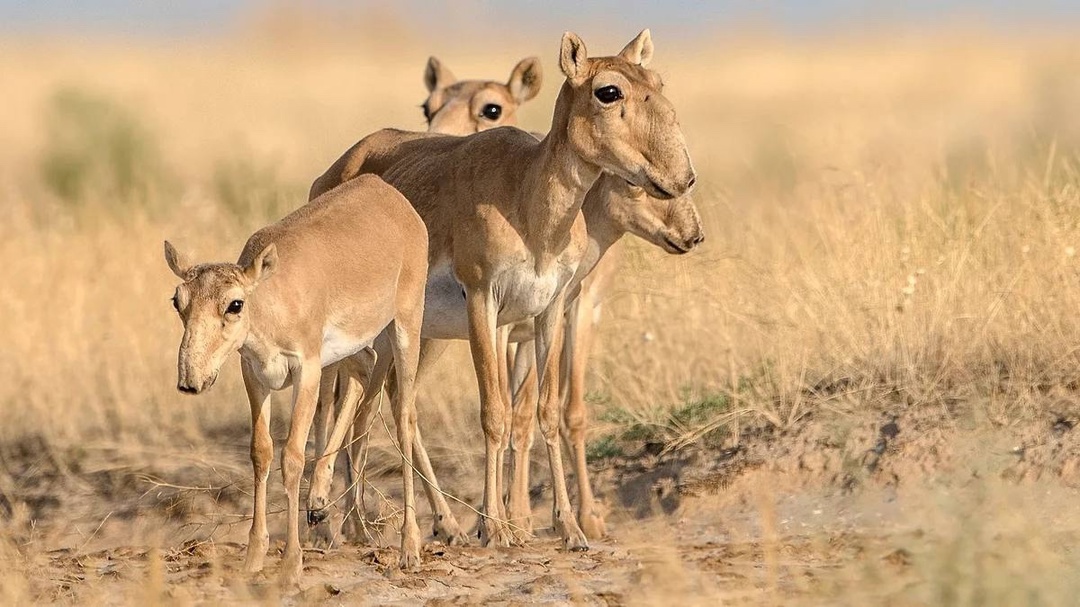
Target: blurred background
[891, 197]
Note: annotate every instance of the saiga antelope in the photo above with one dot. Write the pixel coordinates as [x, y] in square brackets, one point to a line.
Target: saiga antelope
[611, 209]
[506, 235]
[318, 286]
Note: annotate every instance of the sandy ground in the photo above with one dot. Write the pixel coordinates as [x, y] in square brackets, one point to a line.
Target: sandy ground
[883, 515]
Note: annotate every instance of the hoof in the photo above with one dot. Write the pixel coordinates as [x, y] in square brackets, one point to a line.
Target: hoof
[317, 515]
[521, 532]
[573, 537]
[494, 534]
[409, 562]
[410, 546]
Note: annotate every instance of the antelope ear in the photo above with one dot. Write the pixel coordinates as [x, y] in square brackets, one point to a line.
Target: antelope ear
[179, 264]
[640, 50]
[263, 266]
[573, 57]
[524, 83]
[437, 76]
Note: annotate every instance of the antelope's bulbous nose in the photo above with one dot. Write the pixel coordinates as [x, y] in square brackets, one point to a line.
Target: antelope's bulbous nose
[690, 183]
[187, 389]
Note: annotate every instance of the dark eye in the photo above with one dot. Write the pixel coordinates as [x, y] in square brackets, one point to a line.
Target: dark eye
[234, 307]
[491, 111]
[608, 94]
[175, 303]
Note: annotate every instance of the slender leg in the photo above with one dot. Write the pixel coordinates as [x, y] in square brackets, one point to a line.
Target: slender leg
[579, 339]
[262, 454]
[405, 341]
[502, 347]
[445, 526]
[524, 420]
[323, 477]
[324, 420]
[374, 378]
[324, 413]
[482, 341]
[548, 350]
[305, 398]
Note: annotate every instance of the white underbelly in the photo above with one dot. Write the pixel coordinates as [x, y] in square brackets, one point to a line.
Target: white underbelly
[520, 294]
[337, 345]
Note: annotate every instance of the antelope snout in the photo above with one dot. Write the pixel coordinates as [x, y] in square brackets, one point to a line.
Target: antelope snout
[189, 385]
[696, 239]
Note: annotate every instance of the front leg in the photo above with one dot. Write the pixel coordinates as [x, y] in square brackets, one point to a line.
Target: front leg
[482, 340]
[549, 336]
[305, 398]
[262, 454]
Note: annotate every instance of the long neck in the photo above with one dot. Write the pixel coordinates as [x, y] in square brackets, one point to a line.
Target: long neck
[602, 228]
[557, 181]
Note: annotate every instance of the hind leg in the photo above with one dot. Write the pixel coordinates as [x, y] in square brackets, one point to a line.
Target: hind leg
[524, 421]
[579, 338]
[405, 343]
[349, 373]
[322, 536]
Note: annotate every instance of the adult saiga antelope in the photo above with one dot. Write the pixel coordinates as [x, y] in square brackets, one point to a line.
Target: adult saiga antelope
[612, 208]
[506, 234]
[318, 286]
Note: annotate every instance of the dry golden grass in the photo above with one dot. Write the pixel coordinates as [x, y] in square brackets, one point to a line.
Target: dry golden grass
[880, 211]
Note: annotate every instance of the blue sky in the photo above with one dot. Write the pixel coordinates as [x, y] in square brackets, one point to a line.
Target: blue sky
[200, 17]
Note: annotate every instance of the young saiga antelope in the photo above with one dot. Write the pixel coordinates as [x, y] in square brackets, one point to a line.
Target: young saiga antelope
[320, 285]
[506, 232]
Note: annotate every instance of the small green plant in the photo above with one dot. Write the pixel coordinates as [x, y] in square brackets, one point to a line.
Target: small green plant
[667, 425]
[96, 147]
[702, 411]
[605, 447]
